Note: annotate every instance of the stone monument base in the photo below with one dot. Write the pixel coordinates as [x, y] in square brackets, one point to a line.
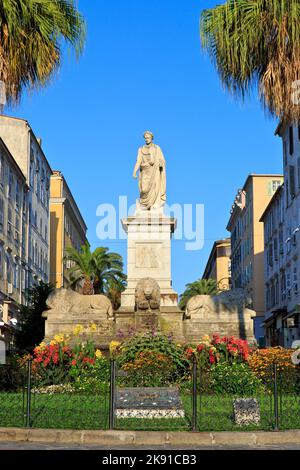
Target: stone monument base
[205, 315]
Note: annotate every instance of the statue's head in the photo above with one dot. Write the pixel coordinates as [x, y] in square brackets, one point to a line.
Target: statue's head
[148, 136]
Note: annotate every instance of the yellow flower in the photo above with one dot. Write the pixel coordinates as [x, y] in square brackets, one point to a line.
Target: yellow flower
[113, 346]
[98, 353]
[59, 338]
[93, 327]
[206, 338]
[77, 330]
[41, 346]
[53, 342]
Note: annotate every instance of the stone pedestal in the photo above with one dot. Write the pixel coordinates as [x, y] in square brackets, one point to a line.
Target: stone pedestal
[149, 255]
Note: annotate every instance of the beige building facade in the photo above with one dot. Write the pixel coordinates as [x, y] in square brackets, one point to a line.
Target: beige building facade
[282, 270]
[27, 152]
[13, 241]
[277, 277]
[67, 228]
[247, 240]
[218, 266]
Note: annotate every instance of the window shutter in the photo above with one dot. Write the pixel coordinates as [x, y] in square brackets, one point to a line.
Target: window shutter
[292, 181]
[291, 140]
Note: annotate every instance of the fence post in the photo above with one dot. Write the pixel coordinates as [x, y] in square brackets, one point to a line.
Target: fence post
[194, 384]
[276, 408]
[112, 394]
[28, 405]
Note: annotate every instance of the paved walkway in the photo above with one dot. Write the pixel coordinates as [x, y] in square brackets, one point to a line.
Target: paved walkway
[41, 446]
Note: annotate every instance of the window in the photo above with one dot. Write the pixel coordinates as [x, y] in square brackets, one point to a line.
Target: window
[8, 269]
[292, 181]
[17, 231]
[291, 140]
[16, 276]
[9, 222]
[275, 185]
[275, 243]
[10, 184]
[283, 285]
[270, 255]
[295, 279]
[1, 214]
[18, 195]
[288, 283]
[24, 201]
[280, 239]
[23, 281]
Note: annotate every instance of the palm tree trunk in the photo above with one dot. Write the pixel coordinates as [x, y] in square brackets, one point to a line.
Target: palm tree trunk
[87, 288]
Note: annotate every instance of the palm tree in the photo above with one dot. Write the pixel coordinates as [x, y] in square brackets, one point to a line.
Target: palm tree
[199, 287]
[31, 37]
[114, 289]
[82, 269]
[256, 43]
[95, 269]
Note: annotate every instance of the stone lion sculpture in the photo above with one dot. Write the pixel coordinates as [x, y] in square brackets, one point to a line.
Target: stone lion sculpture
[147, 294]
[66, 301]
[231, 301]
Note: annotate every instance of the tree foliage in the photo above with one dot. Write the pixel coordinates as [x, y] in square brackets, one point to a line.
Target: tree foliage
[256, 44]
[32, 36]
[199, 287]
[31, 329]
[100, 271]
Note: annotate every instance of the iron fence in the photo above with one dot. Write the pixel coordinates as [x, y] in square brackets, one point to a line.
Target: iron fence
[29, 400]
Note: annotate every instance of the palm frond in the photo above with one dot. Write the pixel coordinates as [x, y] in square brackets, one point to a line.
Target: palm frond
[255, 45]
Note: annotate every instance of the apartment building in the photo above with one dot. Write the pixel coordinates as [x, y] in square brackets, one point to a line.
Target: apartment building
[27, 152]
[277, 275]
[247, 240]
[67, 227]
[218, 266]
[13, 241]
[282, 229]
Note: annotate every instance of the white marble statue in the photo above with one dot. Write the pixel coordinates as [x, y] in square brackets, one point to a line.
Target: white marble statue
[152, 175]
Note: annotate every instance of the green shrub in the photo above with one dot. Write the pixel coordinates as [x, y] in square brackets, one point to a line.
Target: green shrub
[152, 359]
[235, 379]
[91, 377]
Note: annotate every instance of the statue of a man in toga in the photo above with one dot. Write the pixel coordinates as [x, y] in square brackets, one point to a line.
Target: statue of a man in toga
[152, 174]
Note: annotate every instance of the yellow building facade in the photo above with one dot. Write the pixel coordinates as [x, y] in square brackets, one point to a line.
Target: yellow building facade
[67, 228]
[247, 240]
[218, 266]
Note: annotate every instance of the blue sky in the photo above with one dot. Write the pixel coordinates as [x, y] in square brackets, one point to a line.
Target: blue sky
[143, 68]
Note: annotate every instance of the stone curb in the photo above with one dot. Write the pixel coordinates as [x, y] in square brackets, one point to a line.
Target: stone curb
[151, 438]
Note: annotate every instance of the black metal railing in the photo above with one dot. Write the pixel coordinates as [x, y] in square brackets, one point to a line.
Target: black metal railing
[29, 400]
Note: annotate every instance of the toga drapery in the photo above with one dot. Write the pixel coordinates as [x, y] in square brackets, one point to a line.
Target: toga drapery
[152, 177]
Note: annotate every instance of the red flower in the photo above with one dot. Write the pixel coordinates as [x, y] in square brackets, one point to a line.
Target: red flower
[46, 362]
[216, 339]
[74, 362]
[212, 359]
[200, 347]
[55, 358]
